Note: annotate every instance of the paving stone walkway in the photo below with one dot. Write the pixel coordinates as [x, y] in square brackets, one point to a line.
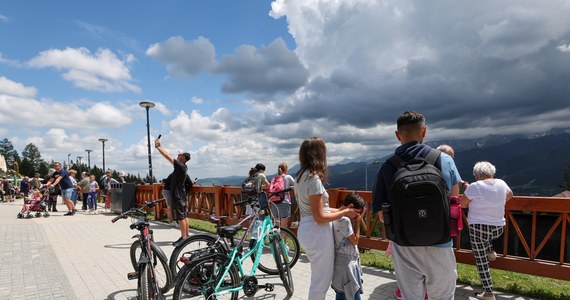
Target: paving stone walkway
[87, 257]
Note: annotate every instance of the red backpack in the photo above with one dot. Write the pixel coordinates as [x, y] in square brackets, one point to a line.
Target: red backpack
[277, 184]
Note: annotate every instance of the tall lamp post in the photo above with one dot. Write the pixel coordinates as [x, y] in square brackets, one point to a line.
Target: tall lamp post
[89, 158]
[147, 105]
[376, 162]
[103, 141]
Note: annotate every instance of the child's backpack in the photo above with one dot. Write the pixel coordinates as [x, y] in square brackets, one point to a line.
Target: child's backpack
[249, 190]
[277, 185]
[456, 214]
[418, 211]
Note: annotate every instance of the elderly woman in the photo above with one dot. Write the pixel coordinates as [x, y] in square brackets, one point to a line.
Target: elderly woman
[486, 199]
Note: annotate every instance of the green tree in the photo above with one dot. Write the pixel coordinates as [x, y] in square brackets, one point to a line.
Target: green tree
[9, 153]
[32, 153]
[27, 168]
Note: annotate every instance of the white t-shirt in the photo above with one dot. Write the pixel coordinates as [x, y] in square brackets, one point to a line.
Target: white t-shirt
[289, 182]
[488, 198]
[342, 229]
[309, 185]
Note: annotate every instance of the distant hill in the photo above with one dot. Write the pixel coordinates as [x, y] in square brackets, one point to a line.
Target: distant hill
[531, 165]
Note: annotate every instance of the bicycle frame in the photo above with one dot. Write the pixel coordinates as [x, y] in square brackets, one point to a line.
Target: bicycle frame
[267, 229]
[145, 238]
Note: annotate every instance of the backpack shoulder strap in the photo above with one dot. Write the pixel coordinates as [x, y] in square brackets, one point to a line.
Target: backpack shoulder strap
[396, 161]
[432, 156]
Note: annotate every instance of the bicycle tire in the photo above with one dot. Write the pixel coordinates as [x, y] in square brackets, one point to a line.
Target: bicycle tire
[201, 275]
[160, 264]
[267, 262]
[282, 265]
[194, 242]
[145, 279]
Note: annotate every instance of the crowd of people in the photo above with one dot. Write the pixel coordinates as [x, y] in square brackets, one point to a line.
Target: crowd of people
[329, 235]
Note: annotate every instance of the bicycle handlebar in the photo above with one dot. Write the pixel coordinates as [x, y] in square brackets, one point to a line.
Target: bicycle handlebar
[269, 195]
[137, 212]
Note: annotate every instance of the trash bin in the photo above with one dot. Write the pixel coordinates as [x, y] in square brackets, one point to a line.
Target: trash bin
[122, 197]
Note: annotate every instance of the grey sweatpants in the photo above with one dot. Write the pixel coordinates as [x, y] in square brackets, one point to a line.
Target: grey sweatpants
[425, 268]
[318, 242]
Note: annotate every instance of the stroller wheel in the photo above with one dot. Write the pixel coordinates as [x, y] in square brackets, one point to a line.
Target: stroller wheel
[46, 215]
[29, 216]
[20, 215]
[38, 215]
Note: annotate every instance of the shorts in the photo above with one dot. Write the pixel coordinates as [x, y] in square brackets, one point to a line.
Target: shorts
[179, 209]
[280, 210]
[167, 196]
[67, 193]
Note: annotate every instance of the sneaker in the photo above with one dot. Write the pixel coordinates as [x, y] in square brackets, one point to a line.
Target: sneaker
[491, 255]
[69, 213]
[398, 294]
[73, 212]
[179, 241]
[485, 296]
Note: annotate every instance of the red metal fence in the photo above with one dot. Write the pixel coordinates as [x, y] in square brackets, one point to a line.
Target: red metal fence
[535, 240]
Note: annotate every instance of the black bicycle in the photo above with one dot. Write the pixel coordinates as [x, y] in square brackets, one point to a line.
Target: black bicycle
[266, 263]
[149, 261]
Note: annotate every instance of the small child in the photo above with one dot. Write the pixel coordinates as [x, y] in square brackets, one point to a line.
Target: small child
[36, 198]
[347, 278]
[92, 197]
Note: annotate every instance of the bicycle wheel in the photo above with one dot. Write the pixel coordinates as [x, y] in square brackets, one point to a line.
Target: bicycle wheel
[160, 264]
[200, 277]
[282, 265]
[267, 262]
[192, 243]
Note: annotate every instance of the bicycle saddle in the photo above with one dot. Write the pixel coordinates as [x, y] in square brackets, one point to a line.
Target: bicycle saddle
[229, 231]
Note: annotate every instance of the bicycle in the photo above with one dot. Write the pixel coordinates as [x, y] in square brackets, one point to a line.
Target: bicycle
[213, 274]
[266, 262]
[149, 261]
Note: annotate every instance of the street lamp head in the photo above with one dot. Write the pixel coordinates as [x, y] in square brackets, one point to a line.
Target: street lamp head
[103, 140]
[146, 104]
[88, 150]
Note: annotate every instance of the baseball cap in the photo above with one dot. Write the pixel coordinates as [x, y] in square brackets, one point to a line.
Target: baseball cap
[186, 155]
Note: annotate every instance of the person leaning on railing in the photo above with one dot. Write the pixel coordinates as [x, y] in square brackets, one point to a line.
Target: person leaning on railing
[486, 199]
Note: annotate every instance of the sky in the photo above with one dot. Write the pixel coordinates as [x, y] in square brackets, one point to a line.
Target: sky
[236, 83]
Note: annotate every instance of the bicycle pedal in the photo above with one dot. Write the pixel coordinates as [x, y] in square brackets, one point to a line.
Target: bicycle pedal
[132, 275]
[269, 287]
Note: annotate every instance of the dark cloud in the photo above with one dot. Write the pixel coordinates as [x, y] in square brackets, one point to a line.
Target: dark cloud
[267, 70]
[487, 66]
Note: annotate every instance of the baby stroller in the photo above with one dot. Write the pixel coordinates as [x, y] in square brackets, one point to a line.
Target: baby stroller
[35, 207]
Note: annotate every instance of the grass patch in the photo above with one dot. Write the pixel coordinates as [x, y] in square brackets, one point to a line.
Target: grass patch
[510, 282]
[505, 281]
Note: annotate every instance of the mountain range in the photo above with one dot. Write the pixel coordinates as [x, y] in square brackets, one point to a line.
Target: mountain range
[531, 165]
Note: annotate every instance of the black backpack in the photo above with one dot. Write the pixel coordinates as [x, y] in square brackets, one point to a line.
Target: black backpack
[249, 189]
[418, 214]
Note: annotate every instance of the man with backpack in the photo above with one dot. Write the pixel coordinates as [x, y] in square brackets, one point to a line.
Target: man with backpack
[411, 197]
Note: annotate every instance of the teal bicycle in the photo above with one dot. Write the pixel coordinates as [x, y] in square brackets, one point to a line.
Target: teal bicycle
[215, 274]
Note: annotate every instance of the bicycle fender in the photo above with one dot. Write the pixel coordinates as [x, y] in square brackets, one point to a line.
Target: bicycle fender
[159, 252]
[137, 236]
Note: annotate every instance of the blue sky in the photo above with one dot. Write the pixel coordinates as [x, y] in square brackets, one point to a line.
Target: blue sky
[241, 82]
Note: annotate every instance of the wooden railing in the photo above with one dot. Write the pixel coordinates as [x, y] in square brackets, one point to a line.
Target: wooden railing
[534, 224]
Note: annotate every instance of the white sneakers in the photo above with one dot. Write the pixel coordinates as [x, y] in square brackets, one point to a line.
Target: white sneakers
[492, 255]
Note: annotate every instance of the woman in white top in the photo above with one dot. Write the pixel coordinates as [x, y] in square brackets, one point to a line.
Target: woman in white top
[486, 199]
[315, 232]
